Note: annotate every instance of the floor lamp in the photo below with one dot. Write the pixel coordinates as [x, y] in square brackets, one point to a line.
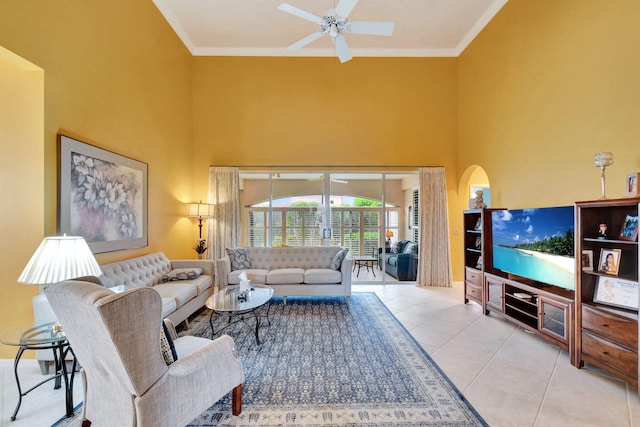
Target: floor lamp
[200, 210]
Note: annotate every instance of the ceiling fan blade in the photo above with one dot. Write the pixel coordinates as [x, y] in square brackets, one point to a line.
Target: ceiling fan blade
[371, 28]
[345, 7]
[341, 48]
[305, 41]
[339, 181]
[285, 7]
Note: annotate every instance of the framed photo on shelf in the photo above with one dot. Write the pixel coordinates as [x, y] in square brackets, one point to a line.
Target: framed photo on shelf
[478, 244]
[632, 184]
[478, 225]
[609, 261]
[587, 260]
[616, 292]
[629, 230]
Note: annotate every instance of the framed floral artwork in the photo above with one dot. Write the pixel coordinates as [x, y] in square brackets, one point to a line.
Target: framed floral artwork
[102, 196]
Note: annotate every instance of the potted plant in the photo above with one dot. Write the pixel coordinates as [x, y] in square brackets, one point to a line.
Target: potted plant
[201, 247]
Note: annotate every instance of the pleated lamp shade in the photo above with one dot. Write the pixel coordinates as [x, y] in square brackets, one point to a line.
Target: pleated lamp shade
[60, 258]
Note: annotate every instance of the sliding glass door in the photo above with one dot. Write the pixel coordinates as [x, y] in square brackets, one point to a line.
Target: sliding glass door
[365, 212]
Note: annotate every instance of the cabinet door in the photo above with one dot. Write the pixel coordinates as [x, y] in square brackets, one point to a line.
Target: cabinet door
[495, 295]
[554, 318]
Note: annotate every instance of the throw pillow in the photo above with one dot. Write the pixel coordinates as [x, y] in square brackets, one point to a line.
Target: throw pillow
[239, 258]
[337, 259]
[182, 274]
[166, 345]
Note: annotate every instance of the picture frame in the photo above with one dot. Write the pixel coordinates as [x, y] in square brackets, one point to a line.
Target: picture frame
[609, 262]
[478, 226]
[102, 196]
[629, 229]
[632, 184]
[409, 217]
[587, 260]
[486, 194]
[616, 292]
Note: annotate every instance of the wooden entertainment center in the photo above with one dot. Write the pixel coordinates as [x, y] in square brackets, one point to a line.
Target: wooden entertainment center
[542, 309]
[589, 323]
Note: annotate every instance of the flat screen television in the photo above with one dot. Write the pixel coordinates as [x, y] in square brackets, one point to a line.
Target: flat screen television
[537, 244]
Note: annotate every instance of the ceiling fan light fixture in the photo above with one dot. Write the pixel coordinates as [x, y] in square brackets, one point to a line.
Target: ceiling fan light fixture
[333, 30]
[334, 24]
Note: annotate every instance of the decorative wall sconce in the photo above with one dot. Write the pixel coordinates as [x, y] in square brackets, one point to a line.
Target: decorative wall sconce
[602, 161]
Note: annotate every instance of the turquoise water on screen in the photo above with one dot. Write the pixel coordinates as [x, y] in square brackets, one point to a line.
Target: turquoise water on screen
[535, 267]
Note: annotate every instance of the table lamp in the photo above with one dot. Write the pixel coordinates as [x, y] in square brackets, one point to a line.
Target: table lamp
[60, 258]
[389, 235]
[57, 258]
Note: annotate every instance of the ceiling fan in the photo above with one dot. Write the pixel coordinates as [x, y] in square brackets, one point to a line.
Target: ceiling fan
[334, 24]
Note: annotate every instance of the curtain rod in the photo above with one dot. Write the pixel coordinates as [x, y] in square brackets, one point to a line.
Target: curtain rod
[328, 167]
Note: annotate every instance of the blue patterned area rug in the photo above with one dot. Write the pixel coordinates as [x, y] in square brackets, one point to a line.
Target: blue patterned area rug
[323, 363]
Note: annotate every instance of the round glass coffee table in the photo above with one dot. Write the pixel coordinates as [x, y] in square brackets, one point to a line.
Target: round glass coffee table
[228, 302]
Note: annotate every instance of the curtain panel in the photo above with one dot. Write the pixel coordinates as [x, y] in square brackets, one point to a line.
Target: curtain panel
[223, 231]
[434, 267]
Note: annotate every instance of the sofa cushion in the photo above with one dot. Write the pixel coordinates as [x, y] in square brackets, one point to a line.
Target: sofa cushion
[256, 275]
[181, 292]
[283, 276]
[202, 283]
[337, 259]
[392, 260]
[322, 275]
[182, 274]
[168, 306]
[239, 258]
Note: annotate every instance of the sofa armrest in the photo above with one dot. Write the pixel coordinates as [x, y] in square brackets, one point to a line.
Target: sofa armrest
[224, 268]
[219, 352]
[345, 270]
[205, 264]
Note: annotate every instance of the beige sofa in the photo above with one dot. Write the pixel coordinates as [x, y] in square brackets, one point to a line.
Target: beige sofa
[292, 271]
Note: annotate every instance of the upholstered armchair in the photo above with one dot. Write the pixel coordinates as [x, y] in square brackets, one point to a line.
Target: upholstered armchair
[116, 338]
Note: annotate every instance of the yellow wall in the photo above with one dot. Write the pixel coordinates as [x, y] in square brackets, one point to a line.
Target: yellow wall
[316, 111]
[21, 182]
[545, 86]
[117, 76]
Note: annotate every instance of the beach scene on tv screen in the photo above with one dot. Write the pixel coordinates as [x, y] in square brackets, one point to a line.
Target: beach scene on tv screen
[536, 244]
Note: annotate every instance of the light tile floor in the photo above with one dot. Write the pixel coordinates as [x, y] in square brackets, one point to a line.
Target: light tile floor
[511, 377]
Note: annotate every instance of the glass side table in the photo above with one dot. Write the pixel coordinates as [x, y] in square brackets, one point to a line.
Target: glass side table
[43, 337]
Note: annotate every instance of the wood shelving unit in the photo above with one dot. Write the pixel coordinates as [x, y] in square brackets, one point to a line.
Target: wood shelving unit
[607, 332]
[473, 264]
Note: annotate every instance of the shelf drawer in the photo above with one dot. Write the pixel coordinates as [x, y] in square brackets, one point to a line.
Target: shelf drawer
[473, 291]
[611, 354]
[473, 276]
[611, 326]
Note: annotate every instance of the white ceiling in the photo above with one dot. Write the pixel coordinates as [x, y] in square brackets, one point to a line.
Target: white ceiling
[257, 28]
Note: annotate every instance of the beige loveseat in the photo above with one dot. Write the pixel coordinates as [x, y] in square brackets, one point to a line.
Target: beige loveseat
[292, 271]
[180, 298]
